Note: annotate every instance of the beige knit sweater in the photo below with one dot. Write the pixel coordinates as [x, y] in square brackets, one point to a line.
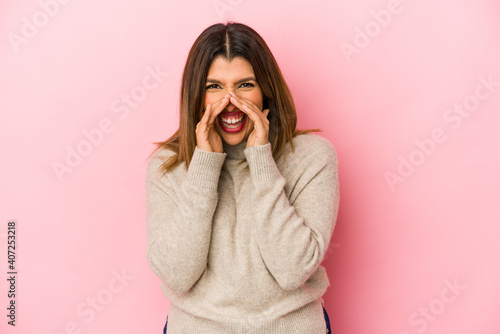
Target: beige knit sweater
[240, 251]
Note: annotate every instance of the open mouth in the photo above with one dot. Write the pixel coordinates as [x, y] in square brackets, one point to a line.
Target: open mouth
[232, 123]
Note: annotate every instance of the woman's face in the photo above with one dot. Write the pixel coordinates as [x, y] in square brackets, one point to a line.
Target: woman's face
[236, 76]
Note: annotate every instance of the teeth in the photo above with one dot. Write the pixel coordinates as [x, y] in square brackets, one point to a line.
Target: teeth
[232, 120]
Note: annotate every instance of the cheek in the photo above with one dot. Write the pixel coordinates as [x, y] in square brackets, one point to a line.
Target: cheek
[215, 96]
[212, 98]
[208, 100]
[249, 123]
[256, 98]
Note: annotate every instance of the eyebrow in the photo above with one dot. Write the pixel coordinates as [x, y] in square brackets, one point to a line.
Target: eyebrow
[210, 80]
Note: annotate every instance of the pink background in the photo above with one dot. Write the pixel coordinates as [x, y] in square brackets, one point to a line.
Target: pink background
[387, 104]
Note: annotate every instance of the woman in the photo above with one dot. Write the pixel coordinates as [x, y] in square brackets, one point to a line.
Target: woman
[241, 206]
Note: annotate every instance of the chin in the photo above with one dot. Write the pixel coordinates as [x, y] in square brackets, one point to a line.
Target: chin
[233, 139]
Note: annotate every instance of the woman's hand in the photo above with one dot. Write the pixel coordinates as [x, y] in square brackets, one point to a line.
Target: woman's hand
[260, 133]
[207, 137]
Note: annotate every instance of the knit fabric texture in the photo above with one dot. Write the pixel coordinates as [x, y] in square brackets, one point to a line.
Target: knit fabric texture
[240, 251]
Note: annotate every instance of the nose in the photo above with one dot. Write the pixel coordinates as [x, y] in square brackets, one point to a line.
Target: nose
[230, 106]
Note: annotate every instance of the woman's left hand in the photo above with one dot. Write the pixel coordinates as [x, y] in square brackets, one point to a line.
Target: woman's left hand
[260, 133]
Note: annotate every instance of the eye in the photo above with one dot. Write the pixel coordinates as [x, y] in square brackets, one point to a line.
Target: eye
[211, 86]
[246, 83]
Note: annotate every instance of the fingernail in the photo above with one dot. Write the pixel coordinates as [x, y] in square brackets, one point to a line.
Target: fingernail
[232, 94]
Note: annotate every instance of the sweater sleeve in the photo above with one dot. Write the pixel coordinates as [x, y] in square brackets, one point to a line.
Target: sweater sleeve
[293, 237]
[180, 210]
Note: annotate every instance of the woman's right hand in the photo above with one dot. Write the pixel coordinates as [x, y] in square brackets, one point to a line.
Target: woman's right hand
[207, 137]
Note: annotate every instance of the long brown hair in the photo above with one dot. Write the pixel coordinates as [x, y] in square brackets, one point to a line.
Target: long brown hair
[231, 40]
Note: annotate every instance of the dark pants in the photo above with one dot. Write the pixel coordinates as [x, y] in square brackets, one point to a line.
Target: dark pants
[327, 320]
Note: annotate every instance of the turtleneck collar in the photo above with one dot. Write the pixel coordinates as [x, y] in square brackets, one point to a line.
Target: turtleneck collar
[235, 152]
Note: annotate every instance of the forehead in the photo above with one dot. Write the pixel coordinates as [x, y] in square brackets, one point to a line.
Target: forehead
[222, 69]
